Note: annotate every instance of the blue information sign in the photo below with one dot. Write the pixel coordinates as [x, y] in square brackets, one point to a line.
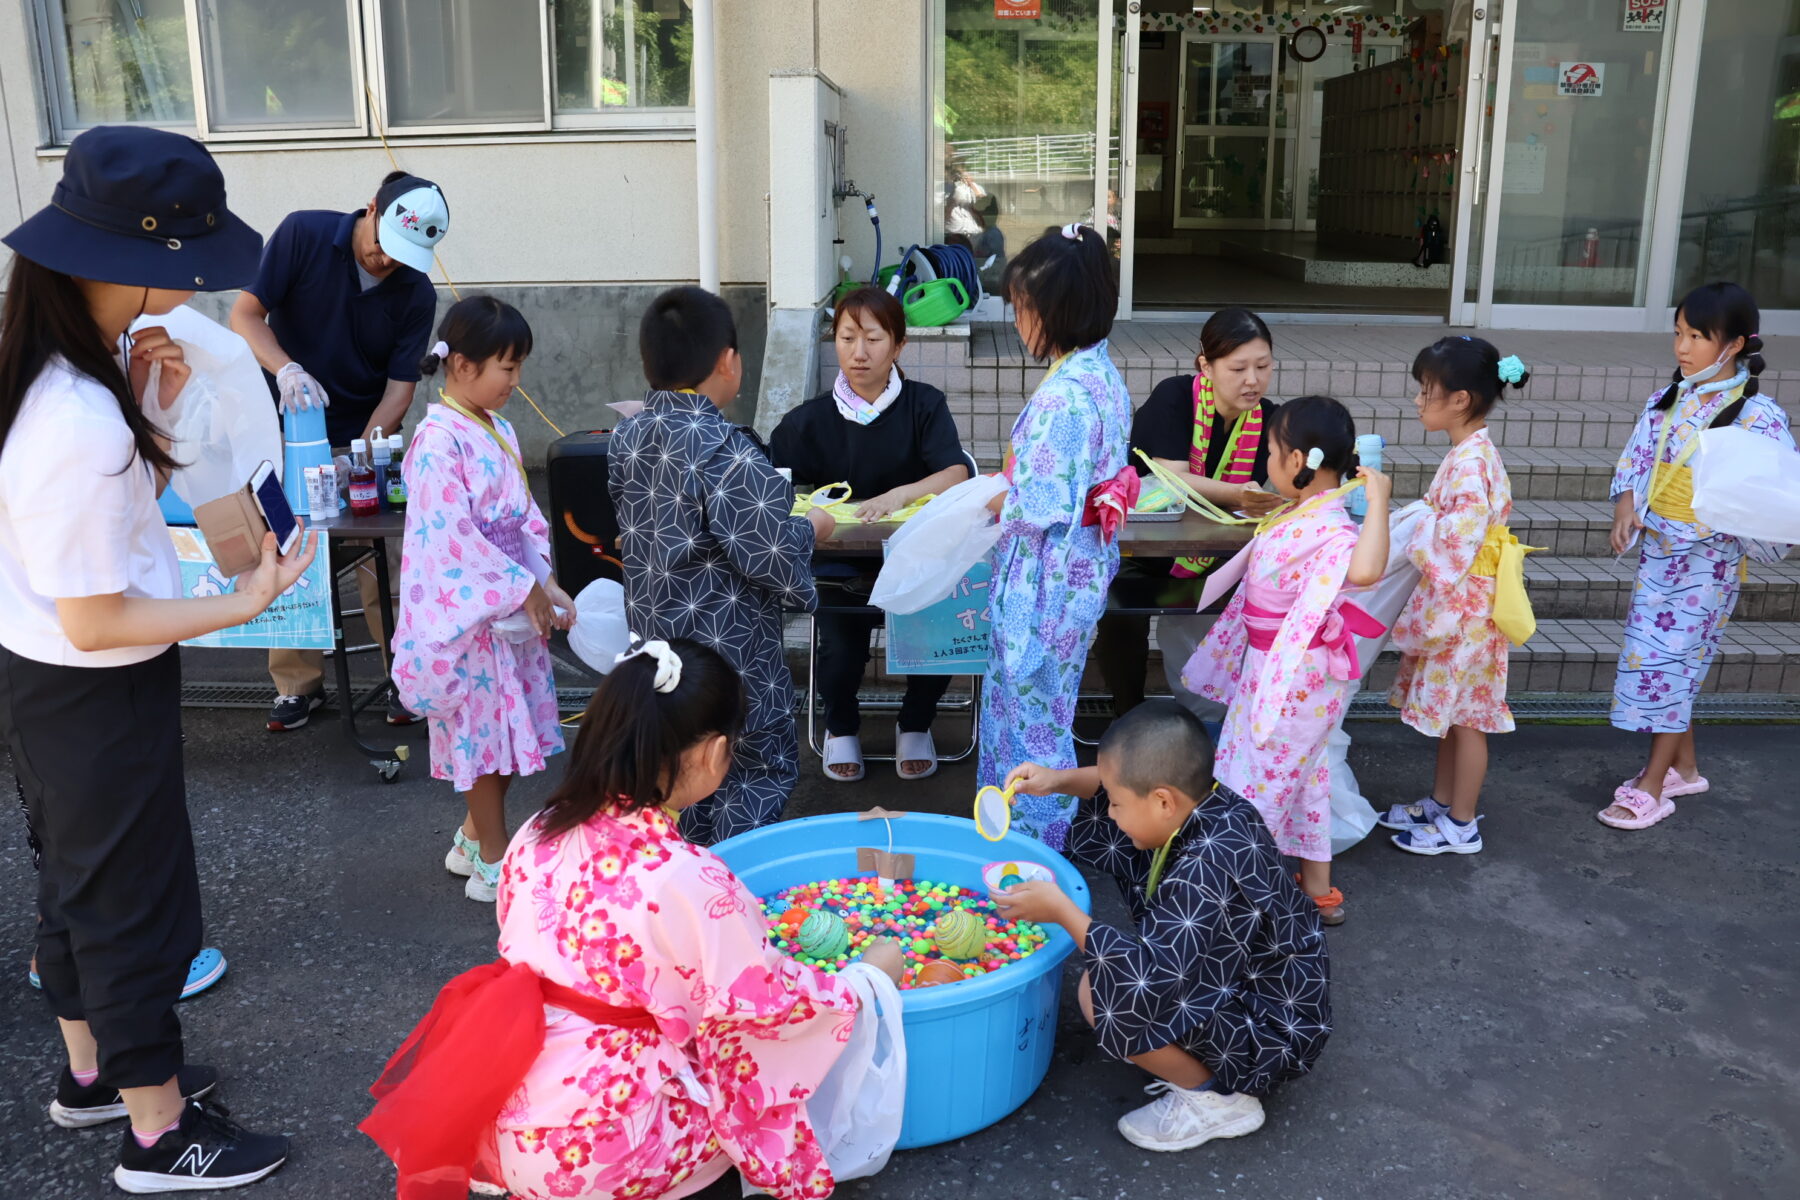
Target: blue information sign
[946, 638]
[300, 618]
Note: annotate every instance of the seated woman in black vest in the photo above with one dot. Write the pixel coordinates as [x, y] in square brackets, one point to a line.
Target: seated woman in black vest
[893, 441]
[1207, 428]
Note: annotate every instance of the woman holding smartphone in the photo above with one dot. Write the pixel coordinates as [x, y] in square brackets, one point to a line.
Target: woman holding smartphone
[90, 680]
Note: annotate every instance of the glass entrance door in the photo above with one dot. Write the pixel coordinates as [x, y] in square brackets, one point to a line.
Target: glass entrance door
[1573, 159]
[1234, 155]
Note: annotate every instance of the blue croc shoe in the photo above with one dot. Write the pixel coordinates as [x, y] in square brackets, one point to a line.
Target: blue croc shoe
[207, 969]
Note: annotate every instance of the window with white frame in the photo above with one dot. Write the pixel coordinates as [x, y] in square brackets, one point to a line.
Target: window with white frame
[257, 69]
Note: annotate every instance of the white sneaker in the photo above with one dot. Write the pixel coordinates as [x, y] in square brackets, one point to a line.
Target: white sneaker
[1442, 836]
[484, 880]
[463, 850]
[1180, 1119]
[1405, 816]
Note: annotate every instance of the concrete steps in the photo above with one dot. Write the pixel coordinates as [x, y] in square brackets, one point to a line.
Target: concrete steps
[1569, 588]
[1581, 655]
[1546, 473]
[1560, 438]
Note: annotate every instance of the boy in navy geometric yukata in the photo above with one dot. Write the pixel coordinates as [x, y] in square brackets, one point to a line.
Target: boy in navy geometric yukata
[1222, 992]
[710, 548]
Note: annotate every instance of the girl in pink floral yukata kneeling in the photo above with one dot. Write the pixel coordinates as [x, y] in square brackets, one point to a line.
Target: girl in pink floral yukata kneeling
[639, 1035]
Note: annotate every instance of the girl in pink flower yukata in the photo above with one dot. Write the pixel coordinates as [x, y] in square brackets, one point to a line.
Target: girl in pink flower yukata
[640, 1035]
[477, 597]
[1283, 652]
[1452, 679]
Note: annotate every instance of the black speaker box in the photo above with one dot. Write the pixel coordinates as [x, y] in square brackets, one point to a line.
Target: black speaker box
[583, 527]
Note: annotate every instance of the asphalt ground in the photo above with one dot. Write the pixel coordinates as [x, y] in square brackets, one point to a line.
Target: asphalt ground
[1574, 1012]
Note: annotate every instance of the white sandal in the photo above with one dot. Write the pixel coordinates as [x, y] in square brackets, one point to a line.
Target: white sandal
[914, 747]
[840, 751]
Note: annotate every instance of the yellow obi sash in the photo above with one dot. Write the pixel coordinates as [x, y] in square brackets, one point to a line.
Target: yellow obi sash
[1502, 559]
[1672, 492]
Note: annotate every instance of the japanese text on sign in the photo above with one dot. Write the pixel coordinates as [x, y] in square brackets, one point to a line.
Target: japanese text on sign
[1645, 16]
[299, 619]
[1018, 10]
[946, 638]
[1580, 78]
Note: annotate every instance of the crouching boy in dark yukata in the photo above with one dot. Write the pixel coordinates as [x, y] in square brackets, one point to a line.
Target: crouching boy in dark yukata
[1222, 991]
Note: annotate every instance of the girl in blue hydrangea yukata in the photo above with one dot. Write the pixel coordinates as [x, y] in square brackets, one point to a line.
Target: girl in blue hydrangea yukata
[1055, 558]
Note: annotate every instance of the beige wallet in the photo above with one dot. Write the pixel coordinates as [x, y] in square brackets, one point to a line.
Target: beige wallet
[234, 529]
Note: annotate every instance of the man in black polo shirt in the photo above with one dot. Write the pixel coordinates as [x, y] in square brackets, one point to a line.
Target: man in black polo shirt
[340, 314]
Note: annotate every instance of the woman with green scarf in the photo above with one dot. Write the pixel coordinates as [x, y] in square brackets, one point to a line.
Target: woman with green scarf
[1207, 428]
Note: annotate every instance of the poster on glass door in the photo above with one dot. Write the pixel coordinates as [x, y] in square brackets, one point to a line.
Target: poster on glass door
[1645, 16]
[1580, 78]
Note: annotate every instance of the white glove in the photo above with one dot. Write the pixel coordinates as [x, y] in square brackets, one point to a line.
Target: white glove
[299, 391]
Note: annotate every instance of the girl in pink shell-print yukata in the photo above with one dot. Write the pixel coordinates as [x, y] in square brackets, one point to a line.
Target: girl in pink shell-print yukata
[640, 1036]
[477, 597]
[1283, 653]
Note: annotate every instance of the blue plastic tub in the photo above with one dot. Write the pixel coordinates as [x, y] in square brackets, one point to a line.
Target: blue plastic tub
[975, 1050]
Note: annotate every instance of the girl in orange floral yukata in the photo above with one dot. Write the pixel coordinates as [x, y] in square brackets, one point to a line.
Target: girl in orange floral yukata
[1452, 679]
[639, 1035]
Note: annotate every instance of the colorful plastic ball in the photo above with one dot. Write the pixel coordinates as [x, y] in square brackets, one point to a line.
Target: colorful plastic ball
[960, 934]
[824, 935]
[937, 971]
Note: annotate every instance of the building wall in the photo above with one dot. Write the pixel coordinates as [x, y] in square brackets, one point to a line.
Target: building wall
[581, 230]
[565, 208]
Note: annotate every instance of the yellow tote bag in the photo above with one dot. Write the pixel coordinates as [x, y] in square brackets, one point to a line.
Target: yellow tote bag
[1502, 558]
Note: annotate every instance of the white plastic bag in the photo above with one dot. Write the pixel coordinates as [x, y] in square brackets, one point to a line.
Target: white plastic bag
[857, 1109]
[223, 422]
[601, 632]
[1352, 816]
[1747, 485]
[935, 549]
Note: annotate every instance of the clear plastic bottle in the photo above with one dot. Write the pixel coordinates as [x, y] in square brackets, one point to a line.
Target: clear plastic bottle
[396, 480]
[378, 446]
[365, 493]
[1369, 447]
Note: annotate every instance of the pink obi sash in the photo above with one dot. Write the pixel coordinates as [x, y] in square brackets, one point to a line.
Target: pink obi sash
[1266, 607]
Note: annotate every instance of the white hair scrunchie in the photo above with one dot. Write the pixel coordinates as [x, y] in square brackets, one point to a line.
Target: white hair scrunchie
[668, 663]
[1072, 231]
[442, 350]
[1315, 458]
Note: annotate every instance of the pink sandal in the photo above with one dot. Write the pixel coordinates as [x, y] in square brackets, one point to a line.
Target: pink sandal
[1674, 785]
[1645, 809]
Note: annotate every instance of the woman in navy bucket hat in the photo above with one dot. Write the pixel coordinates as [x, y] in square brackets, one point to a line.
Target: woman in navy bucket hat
[90, 681]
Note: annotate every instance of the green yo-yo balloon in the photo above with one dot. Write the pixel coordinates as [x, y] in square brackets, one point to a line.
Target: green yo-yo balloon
[824, 935]
[960, 934]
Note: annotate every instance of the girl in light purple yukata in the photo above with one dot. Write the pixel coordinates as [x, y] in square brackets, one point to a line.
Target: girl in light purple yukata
[1688, 574]
[477, 597]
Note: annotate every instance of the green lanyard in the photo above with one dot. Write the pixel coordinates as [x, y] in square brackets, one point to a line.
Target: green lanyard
[1158, 861]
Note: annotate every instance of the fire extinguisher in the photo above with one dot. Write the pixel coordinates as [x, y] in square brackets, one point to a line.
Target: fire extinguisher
[1590, 249]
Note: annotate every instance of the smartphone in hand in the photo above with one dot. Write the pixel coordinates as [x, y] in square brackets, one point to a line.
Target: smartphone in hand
[272, 502]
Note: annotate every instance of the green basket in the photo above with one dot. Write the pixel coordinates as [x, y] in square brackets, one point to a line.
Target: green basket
[936, 302]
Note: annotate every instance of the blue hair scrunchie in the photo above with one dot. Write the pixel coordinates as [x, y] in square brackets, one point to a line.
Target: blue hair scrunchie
[1512, 369]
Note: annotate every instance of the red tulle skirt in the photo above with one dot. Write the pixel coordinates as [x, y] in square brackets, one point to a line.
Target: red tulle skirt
[433, 1115]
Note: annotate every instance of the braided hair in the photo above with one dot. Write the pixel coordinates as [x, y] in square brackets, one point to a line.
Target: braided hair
[1726, 312]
